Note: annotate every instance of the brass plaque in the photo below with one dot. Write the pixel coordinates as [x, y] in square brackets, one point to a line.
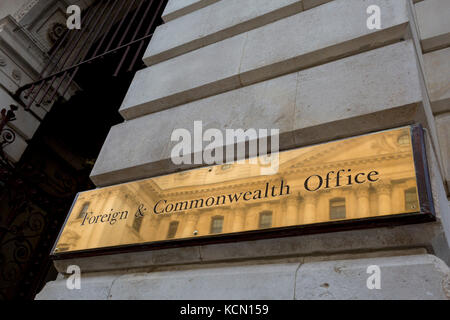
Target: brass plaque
[362, 177]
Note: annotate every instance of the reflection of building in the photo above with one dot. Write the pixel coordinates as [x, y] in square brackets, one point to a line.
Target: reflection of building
[394, 191]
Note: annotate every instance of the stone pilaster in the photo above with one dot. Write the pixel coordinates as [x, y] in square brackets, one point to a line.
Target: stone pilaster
[252, 216]
[190, 225]
[363, 203]
[384, 189]
[309, 216]
[239, 219]
[292, 204]
[151, 226]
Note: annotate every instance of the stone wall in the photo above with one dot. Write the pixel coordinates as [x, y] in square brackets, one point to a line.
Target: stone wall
[314, 70]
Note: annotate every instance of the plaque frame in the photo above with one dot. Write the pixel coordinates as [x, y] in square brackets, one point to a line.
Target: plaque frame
[426, 214]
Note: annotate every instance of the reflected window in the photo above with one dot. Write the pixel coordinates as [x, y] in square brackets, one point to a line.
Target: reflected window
[411, 201]
[173, 227]
[404, 140]
[216, 225]
[84, 210]
[337, 208]
[265, 219]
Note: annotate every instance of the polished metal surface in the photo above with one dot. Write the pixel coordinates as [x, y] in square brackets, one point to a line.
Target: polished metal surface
[361, 177]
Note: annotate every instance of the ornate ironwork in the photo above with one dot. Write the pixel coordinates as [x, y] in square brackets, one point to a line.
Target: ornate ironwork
[34, 198]
[7, 136]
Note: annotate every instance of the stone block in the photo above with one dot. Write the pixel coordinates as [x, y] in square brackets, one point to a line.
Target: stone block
[437, 76]
[443, 131]
[366, 240]
[319, 35]
[214, 23]
[259, 282]
[278, 48]
[179, 8]
[420, 277]
[439, 196]
[375, 81]
[400, 238]
[123, 261]
[93, 287]
[185, 78]
[434, 23]
[355, 90]
[144, 138]
[147, 139]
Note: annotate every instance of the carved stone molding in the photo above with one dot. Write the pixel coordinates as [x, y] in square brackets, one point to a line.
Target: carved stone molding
[16, 74]
[362, 190]
[383, 187]
[25, 9]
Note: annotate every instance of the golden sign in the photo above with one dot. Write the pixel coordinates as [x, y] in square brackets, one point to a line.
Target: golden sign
[367, 176]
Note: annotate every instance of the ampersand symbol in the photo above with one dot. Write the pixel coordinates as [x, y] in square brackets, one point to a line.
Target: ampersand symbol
[140, 211]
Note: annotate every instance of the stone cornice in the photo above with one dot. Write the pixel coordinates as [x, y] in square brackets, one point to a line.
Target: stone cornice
[25, 9]
[21, 47]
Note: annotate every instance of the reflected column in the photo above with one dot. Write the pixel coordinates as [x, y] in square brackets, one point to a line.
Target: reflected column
[310, 208]
[152, 226]
[98, 205]
[362, 194]
[190, 225]
[227, 219]
[251, 216]
[101, 236]
[163, 226]
[384, 197]
[239, 219]
[291, 211]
